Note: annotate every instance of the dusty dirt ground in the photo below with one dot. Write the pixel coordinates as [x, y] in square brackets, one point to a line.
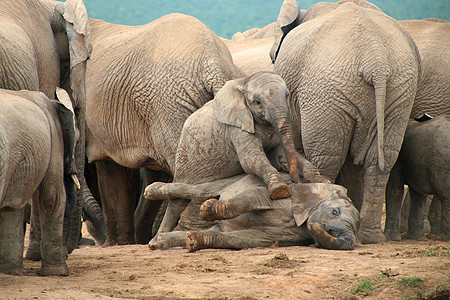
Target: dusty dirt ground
[407, 269]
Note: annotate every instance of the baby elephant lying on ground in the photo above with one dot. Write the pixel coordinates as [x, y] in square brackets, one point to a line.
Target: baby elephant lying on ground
[248, 218]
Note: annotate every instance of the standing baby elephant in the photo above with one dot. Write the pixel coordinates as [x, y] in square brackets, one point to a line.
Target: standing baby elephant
[231, 134]
[424, 165]
[37, 142]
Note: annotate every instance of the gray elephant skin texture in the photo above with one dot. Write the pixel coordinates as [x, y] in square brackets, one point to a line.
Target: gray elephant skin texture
[247, 217]
[33, 166]
[230, 135]
[45, 44]
[354, 93]
[424, 165]
[142, 83]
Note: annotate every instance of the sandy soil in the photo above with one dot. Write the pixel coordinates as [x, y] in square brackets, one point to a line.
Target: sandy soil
[393, 270]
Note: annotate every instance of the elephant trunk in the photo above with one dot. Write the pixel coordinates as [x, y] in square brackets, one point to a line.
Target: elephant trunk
[93, 212]
[328, 241]
[283, 129]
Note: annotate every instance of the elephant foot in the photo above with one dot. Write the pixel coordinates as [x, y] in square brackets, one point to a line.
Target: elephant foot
[109, 243]
[415, 235]
[12, 269]
[278, 190]
[371, 236]
[54, 270]
[156, 243]
[33, 252]
[392, 235]
[167, 240]
[315, 177]
[86, 242]
[194, 240]
[443, 236]
[208, 210]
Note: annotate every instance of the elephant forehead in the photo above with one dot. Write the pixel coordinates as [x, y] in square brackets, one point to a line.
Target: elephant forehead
[268, 80]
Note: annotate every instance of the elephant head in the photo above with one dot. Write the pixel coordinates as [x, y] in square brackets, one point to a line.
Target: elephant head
[262, 98]
[330, 216]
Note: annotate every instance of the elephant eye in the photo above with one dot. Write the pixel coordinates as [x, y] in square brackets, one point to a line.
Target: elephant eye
[336, 212]
[256, 101]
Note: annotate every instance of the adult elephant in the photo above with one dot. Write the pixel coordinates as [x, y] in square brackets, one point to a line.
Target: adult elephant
[142, 82]
[432, 37]
[36, 161]
[45, 44]
[251, 55]
[352, 72]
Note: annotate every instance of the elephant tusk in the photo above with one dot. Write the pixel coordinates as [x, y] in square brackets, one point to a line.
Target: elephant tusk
[75, 179]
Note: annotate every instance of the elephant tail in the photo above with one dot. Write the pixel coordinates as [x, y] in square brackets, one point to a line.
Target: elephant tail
[379, 84]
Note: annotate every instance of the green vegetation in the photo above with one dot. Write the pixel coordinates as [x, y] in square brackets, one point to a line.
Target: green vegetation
[411, 281]
[365, 288]
[226, 17]
[406, 287]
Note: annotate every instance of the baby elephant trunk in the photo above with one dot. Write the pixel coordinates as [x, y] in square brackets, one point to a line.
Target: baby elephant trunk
[329, 241]
[283, 129]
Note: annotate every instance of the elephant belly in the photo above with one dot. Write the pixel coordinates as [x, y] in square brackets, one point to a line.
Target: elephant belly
[276, 225]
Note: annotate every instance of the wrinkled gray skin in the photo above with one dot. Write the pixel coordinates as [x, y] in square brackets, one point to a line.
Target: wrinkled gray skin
[251, 55]
[44, 45]
[33, 165]
[424, 165]
[230, 135]
[432, 37]
[248, 218]
[352, 72]
[142, 82]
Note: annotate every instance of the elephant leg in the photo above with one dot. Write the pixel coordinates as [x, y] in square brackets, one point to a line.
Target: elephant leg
[167, 240]
[194, 192]
[351, 176]
[173, 211]
[444, 230]
[203, 239]
[246, 201]
[416, 214]
[34, 245]
[372, 207]
[146, 211]
[118, 191]
[52, 203]
[394, 196]
[11, 242]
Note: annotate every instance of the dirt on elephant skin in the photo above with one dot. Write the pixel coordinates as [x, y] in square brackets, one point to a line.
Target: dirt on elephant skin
[407, 269]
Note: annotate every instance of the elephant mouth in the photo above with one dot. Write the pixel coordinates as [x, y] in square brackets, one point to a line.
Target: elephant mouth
[332, 238]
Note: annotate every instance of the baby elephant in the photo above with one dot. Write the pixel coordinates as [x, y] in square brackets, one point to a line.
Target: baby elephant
[424, 165]
[231, 134]
[37, 142]
[248, 218]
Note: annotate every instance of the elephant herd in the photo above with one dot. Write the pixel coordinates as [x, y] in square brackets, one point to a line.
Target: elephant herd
[256, 140]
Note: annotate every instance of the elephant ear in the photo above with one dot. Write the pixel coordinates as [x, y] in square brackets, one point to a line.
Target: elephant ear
[77, 29]
[288, 19]
[306, 196]
[229, 106]
[70, 132]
